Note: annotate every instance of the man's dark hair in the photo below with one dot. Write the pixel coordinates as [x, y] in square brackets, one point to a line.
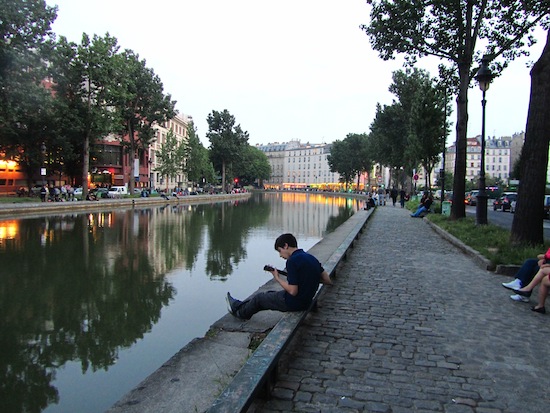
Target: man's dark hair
[285, 239]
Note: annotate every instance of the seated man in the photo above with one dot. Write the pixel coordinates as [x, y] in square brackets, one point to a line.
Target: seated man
[424, 207]
[304, 275]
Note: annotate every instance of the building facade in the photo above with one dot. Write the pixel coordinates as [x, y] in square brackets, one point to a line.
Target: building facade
[300, 166]
[178, 125]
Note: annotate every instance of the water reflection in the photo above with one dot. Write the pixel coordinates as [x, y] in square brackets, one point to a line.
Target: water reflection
[84, 287]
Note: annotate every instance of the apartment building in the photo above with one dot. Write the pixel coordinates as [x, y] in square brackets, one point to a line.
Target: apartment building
[300, 166]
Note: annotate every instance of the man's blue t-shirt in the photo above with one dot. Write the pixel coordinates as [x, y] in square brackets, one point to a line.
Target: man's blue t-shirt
[304, 270]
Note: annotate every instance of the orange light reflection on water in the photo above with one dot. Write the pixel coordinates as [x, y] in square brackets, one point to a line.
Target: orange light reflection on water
[8, 229]
[300, 197]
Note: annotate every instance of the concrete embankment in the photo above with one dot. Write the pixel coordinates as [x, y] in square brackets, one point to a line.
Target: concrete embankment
[44, 208]
[192, 379]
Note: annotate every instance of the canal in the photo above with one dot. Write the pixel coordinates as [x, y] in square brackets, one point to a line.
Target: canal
[92, 303]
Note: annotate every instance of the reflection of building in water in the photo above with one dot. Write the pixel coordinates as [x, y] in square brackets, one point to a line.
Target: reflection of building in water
[8, 232]
[308, 213]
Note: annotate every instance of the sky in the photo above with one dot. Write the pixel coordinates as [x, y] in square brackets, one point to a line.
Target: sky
[286, 70]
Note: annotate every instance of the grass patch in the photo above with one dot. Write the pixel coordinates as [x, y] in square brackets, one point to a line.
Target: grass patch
[491, 241]
[17, 199]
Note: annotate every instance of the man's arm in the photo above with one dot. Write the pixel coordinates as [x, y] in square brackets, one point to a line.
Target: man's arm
[325, 278]
[289, 288]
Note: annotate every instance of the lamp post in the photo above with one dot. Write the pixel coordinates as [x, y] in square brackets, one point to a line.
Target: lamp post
[484, 77]
[150, 162]
[43, 167]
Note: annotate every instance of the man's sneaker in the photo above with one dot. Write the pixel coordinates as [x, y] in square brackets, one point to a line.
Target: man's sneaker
[233, 306]
[517, 297]
[513, 285]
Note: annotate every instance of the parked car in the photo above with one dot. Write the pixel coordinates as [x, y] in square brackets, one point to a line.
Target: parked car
[471, 198]
[546, 206]
[117, 192]
[504, 202]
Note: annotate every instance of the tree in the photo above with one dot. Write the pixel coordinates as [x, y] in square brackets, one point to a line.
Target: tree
[25, 103]
[342, 160]
[388, 137]
[424, 108]
[140, 102]
[197, 162]
[227, 140]
[253, 166]
[450, 30]
[171, 157]
[526, 226]
[84, 83]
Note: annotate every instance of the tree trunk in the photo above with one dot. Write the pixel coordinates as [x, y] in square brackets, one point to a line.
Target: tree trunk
[527, 226]
[85, 165]
[132, 156]
[224, 189]
[458, 209]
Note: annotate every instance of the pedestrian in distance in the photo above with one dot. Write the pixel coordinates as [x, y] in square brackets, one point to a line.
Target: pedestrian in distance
[381, 196]
[393, 195]
[402, 196]
[303, 275]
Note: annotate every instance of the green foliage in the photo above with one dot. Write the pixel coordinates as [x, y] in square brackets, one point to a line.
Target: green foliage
[198, 166]
[410, 131]
[171, 157]
[350, 157]
[227, 141]
[25, 105]
[451, 31]
[253, 166]
[84, 76]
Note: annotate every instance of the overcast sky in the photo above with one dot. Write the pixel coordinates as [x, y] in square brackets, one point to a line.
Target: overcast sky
[286, 69]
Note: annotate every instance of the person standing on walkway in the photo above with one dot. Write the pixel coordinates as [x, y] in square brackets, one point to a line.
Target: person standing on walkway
[402, 196]
[393, 195]
[381, 196]
[305, 273]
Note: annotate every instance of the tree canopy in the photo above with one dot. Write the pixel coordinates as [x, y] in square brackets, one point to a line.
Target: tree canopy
[25, 104]
[140, 101]
[451, 30]
[227, 141]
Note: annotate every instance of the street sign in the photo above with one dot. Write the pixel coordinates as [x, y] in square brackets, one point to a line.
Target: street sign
[415, 177]
[379, 179]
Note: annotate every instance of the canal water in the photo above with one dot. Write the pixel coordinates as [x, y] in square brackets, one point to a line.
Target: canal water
[92, 303]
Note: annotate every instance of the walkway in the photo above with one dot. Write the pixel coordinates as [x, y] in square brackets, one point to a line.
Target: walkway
[414, 325]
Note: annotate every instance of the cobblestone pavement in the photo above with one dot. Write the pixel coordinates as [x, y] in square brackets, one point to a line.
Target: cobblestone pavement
[413, 325]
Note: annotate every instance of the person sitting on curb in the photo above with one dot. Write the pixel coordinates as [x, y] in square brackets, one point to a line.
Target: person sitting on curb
[305, 273]
[542, 278]
[424, 207]
[524, 276]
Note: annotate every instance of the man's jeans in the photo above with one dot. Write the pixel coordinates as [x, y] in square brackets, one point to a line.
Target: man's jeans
[270, 300]
[527, 271]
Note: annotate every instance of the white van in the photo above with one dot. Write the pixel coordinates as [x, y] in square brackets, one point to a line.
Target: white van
[117, 192]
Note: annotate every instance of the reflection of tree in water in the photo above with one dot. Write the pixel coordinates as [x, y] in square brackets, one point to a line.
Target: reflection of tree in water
[85, 305]
[335, 221]
[229, 225]
[179, 235]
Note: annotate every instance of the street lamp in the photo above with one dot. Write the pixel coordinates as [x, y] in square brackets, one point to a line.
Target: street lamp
[43, 167]
[484, 77]
[150, 162]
